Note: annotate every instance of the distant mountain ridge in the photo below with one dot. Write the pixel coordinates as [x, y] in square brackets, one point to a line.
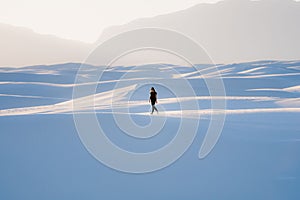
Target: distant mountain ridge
[230, 31]
[22, 47]
[233, 30]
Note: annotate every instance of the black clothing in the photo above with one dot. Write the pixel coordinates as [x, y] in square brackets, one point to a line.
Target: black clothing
[153, 97]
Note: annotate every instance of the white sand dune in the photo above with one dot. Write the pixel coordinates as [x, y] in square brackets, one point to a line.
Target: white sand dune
[103, 101]
[118, 98]
[251, 70]
[29, 96]
[263, 76]
[291, 102]
[257, 131]
[288, 89]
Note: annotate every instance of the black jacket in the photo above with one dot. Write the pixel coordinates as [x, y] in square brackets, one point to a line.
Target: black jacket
[153, 97]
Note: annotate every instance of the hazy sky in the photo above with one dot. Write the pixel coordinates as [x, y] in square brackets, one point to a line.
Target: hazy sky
[83, 19]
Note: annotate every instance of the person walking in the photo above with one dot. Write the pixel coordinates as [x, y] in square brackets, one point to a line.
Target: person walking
[153, 99]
